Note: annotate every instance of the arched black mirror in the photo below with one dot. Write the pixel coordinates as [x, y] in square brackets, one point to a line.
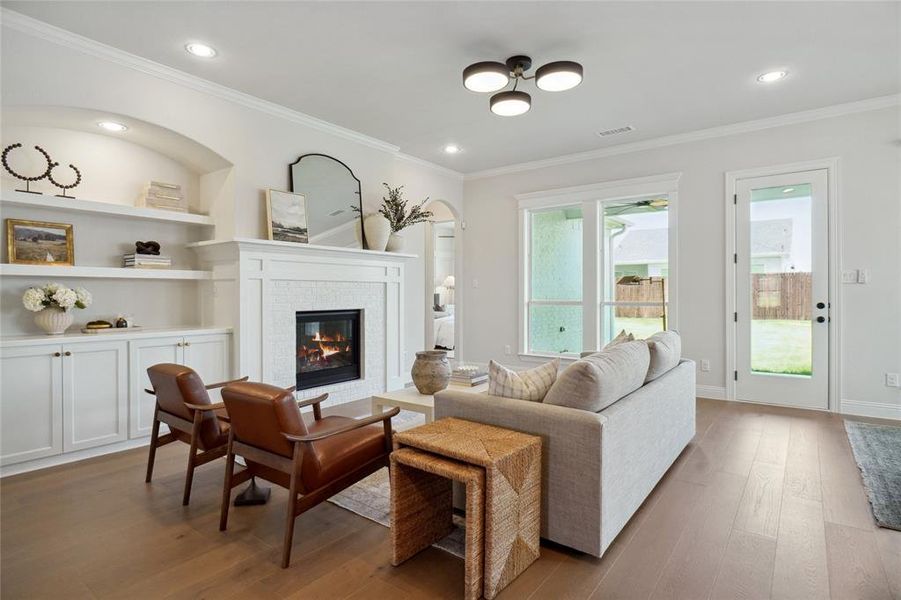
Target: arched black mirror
[333, 201]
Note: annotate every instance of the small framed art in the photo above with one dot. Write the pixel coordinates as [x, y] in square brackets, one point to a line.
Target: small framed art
[40, 243]
[287, 217]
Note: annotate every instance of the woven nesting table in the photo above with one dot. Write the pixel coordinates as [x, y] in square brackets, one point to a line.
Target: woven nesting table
[501, 470]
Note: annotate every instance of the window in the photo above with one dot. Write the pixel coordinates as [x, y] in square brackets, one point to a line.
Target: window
[635, 251]
[594, 260]
[554, 304]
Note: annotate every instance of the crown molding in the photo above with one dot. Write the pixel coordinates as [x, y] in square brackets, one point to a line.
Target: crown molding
[62, 37]
[827, 112]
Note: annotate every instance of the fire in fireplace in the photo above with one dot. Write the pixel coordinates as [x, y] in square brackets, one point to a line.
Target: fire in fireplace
[328, 347]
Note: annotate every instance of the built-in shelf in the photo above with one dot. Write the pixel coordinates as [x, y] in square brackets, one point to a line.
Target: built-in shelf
[10, 270]
[75, 335]
[75, 205]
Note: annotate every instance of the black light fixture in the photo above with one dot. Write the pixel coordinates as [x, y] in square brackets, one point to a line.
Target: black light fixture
[490, 76]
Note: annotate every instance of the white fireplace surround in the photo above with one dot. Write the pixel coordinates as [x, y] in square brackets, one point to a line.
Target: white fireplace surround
[257, 286]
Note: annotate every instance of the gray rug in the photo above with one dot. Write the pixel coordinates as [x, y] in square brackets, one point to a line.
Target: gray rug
[371, 497]
[877, 449]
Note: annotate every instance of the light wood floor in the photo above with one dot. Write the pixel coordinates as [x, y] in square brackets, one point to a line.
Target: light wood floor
[765, 502]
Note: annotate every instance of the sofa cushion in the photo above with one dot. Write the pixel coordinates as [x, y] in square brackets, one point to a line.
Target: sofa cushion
[621, 337]
[666, 351]
[597, 381]
[531, 384]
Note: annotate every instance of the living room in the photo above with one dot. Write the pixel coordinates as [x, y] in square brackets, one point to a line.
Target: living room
[647, 255]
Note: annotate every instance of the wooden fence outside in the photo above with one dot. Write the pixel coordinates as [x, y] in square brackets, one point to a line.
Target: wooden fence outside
[773, 296]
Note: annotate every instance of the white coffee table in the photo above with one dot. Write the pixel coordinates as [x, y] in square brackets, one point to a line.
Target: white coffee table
[409, 398]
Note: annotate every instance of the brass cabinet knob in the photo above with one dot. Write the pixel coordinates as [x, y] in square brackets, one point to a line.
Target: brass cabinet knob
[67, 353]
[179, 344]
[187, 343]
[57, 354]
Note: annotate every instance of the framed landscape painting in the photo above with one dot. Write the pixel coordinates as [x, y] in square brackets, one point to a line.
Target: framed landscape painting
[39, 243]
[287, 217]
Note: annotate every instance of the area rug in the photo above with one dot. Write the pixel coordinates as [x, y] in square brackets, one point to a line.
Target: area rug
[371, 497]
[877, 449]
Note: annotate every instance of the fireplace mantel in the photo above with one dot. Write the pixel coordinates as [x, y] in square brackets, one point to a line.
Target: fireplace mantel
[256, 287]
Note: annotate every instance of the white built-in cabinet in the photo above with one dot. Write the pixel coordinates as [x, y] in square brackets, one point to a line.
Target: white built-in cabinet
[57, 398]
[209, 355]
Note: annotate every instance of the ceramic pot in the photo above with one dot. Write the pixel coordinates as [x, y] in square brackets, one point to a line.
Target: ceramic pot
[53, 320]
[395, 243]
[378, 230]
[431, 371]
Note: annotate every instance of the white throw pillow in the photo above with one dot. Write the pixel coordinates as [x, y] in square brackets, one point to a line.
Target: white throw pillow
[531, 384]
[597, 381]
[666, 351]
[621, 337]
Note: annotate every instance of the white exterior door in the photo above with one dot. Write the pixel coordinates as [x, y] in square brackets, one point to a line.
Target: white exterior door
[95, 394]
[144, 354]
[782, 287]
[31, 408]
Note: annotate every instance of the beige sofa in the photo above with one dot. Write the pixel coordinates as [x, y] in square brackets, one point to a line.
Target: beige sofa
[597, 467]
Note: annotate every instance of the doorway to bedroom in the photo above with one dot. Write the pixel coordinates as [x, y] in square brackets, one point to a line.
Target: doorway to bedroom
[441, 266]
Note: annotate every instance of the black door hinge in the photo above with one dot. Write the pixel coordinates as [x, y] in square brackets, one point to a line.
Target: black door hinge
[736, 375]
[735, 317]
[735, 258]
[734, 198]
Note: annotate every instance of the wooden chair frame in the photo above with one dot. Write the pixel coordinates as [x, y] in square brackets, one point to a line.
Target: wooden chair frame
[192, 428]
[291, 467]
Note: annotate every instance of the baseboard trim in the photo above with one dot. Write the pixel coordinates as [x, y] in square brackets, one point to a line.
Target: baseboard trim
[878, 410]
[62, 459]
[711, 392]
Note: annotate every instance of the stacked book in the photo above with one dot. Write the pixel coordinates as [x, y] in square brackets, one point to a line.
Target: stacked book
[165, 196]
[146, 261]
[470, 375]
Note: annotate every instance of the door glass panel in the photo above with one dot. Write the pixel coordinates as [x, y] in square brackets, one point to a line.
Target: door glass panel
[781, 278]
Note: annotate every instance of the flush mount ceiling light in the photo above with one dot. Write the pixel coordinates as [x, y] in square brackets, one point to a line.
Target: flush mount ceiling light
[489, 76]
[112, 126]
[772, 76]
[452, 148]
[201, 50]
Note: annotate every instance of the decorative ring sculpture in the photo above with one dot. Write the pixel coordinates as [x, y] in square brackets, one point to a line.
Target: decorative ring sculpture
[27, 180]
[61, 186]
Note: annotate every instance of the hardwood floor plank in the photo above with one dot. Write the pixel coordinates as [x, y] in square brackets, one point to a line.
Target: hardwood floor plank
[888, 545]
[762, 500]
[746, 572]
[855, 568]
[800, 569]
[691, 569]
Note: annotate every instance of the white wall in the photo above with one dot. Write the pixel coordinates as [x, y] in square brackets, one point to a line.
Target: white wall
[870, 201]
[260, 144]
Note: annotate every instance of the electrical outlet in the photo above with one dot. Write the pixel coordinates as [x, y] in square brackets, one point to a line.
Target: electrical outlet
[891, 380]
[849, 276]
[475, 284]
[705, 365]
[863, 276]
[508, 350]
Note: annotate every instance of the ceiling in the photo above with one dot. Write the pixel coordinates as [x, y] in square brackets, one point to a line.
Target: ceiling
[392, 70]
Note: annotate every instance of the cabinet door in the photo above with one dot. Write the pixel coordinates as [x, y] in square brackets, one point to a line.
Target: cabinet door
[210, 356]
[95, 394]
[144, 354]
[31, 404]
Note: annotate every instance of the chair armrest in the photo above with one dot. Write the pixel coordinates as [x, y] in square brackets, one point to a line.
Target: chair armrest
[312, 401]
[151, 392]
[385, 416]
[213, 386]
[204, 407]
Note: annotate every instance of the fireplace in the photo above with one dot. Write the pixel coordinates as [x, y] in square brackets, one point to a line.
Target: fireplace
[328, 347]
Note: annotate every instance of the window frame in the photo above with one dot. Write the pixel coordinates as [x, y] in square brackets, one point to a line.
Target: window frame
[592, 197]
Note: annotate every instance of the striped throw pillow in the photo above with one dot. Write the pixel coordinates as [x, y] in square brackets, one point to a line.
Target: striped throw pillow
[531, 384]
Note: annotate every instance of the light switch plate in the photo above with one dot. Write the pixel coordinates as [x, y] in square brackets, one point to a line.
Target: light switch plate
[863, 276]
[891, 380]
[849, 276]
[705, 365]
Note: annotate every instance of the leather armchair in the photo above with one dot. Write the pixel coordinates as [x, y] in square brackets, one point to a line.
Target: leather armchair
[182, 403]
[312, 459]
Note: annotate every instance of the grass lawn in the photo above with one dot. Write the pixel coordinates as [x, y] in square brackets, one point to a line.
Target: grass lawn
[777, 346]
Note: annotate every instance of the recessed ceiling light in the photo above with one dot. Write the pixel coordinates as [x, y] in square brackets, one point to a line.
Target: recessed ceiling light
[112, 126]
[788, 190]
[452, 148]
[772, 76]
[201, 50]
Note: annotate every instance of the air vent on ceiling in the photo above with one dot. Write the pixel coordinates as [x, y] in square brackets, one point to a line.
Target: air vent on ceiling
[617, 131]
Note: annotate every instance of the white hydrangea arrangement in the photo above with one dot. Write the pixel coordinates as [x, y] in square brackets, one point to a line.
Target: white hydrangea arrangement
[37, 299]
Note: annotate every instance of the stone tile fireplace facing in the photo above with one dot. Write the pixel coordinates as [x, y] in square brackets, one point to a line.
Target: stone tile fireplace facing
[328, 347]
[258, 287]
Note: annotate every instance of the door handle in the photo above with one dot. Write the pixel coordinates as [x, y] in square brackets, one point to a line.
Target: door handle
[821, 319]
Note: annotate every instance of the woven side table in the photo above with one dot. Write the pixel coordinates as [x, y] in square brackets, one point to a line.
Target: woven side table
[512, 464]
[422, 509]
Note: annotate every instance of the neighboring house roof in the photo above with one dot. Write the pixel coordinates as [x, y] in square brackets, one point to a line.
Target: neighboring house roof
[644, 246]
